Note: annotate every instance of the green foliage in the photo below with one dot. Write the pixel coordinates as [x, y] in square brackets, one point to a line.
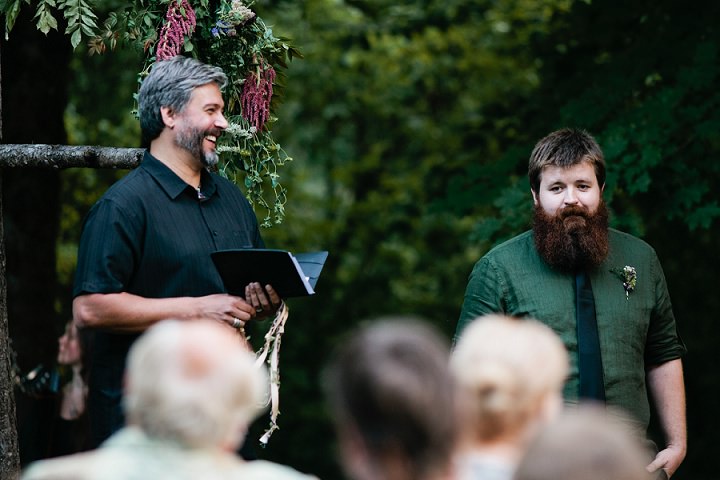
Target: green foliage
[11, 9]
[45, 19]
[81, 20]
[260, 158]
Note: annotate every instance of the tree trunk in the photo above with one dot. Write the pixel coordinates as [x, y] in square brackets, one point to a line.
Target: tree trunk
[9, 456]
[35, 71]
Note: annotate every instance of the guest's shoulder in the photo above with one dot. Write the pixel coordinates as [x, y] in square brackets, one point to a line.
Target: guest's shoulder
[81, 466]
[264, 470]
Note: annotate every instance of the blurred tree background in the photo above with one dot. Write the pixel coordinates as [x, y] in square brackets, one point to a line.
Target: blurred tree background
[410, 124]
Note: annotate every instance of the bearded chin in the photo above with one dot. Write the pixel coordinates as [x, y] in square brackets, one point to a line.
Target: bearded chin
[192, 141]
[209, 159]
[573, 239]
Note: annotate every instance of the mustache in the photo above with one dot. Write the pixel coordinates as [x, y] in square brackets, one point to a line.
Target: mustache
[573, 211]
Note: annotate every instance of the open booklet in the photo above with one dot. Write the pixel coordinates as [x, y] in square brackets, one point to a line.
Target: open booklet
[291, 275]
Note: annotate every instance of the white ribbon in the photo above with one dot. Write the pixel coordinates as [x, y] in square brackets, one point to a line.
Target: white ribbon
[270, 352]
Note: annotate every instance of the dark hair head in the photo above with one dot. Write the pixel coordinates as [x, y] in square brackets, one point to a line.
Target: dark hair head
[565, 148]
[391, 385]
[170, 84]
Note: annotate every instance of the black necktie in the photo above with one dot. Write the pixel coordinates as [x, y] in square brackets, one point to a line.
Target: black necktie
[589, 358]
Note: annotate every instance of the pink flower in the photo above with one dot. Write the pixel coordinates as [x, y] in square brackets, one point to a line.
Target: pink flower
[257, 95]
[179, 22]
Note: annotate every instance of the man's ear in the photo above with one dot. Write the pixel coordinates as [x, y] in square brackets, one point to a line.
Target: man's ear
[168, 116]
[602, 189]
[535, 197]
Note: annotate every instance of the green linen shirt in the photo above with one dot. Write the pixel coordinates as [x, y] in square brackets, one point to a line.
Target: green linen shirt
[636, 331]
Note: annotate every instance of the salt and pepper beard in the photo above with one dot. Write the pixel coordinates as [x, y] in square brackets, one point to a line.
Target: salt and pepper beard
[192, 139]
[573, 239]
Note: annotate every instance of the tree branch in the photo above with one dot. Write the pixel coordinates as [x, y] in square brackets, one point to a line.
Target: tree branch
[64, 156]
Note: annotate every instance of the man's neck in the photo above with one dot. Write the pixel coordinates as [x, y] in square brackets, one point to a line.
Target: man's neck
[177, 159]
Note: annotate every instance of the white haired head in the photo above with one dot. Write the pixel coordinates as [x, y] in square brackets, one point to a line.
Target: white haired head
[194, 383]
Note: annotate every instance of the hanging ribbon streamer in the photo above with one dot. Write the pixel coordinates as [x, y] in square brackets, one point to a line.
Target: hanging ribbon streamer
[270, 353]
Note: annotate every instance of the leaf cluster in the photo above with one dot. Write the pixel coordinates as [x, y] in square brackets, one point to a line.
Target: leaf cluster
[79, 16]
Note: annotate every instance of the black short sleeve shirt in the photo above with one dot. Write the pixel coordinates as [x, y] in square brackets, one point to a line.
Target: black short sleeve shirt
[151, 234]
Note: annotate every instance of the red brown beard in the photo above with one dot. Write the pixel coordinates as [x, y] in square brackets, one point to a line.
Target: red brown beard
[573, 239]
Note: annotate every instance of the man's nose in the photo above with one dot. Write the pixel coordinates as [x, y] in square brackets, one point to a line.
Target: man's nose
[570, 196]
[221, 122]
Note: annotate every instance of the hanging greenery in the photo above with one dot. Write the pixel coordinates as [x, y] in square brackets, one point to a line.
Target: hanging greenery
[226, 33]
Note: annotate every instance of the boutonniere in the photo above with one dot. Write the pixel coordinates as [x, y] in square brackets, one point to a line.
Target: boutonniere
[628, 275]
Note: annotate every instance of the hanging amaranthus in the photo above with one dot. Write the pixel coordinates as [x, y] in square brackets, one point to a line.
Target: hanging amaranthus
[179, 22]
[257, 94]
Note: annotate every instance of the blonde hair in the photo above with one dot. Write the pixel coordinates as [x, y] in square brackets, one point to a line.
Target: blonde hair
[505, 369]
[193, 382]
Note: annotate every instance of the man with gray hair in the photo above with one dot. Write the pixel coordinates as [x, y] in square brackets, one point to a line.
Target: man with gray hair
[192, 389]
[145, 249]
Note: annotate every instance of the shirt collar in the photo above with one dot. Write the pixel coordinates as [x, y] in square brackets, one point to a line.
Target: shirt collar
[171, 183]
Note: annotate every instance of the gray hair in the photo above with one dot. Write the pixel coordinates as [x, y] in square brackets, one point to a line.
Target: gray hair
[170, 84]
[193, 383]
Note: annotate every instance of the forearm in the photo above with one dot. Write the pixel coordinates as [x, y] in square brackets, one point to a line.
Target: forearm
[667, 386]
[125, 312]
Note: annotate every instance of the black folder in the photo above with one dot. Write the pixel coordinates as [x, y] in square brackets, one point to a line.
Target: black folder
[291, 275]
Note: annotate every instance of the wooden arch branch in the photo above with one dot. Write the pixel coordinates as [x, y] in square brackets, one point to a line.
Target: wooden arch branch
[64, 156]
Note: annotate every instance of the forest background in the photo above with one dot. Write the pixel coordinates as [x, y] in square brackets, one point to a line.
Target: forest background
[410, 124]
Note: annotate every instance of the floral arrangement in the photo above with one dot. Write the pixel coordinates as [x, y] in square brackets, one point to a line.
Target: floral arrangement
[226, 33]
[628, 275]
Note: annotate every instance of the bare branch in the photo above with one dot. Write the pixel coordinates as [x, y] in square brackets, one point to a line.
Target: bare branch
[64, 156]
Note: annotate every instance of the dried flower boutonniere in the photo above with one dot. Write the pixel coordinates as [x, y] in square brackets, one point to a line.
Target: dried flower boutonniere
[629, 277]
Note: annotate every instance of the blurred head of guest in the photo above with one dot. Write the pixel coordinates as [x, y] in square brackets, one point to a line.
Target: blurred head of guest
[586, 444]
[393, 402]
[193, 383]
[510, 374]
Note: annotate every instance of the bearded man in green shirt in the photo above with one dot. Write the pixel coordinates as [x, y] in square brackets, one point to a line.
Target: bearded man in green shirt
[631, 345]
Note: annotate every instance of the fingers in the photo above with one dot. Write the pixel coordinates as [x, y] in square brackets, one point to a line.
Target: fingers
[263, 300]
[662, 461]
[237, 309]
[655, 465]
[274, 297]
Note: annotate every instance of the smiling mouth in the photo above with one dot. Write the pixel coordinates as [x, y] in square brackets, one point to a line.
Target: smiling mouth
[211, 138]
